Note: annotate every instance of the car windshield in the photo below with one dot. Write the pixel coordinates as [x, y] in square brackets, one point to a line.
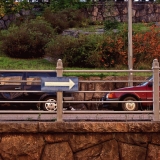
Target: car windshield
[147, 80]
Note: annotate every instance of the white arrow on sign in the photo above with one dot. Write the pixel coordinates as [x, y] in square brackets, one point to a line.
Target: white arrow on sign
[70, 84]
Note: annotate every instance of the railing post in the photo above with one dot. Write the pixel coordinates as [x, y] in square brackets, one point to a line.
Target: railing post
[155, 67]
[59, 69]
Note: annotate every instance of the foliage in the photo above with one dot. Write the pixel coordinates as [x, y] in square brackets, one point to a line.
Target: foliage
[2, 9]
[9, 6]
[28, 40]
[146, 46]
[110, 24]
[157, 1]
[77, 52]
[109, 50]
[119, 26]
[62, 20]
[113, 50]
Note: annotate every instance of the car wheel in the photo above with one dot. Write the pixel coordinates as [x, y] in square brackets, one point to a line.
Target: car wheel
[130, 105]
[51, 105]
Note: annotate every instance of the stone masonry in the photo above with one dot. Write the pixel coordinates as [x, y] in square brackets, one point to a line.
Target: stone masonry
[80, 141]
[141, 12]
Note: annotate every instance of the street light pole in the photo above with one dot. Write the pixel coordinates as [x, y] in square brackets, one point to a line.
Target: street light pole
[130, 54]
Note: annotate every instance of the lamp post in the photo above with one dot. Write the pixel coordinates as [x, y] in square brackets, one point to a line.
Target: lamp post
[130, 54]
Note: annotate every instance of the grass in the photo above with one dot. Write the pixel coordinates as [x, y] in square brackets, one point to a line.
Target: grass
[25, 64]
[7, 63]
[103, 75]
[136, 27]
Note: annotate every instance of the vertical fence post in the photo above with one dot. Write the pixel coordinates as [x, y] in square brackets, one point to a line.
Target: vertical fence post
[155, 67]
[59, 69]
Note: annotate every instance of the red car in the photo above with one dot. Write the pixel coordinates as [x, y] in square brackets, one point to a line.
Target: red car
[131, 94]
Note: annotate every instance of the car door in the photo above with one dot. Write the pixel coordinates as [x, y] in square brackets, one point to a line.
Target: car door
[11, 81]
[33, 83]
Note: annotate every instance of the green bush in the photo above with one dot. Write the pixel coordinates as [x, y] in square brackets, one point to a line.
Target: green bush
[67, 18]
[75, 52]
[110, 24]
[28, 40]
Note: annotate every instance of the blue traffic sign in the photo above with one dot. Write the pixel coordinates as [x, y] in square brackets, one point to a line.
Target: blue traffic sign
[52, 84]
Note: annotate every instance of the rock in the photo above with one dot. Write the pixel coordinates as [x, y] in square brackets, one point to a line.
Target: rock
[153, 152]
[82, 142]
[132, 152]
[21, 147]
[107, 150]
[2, 25]
[57, 151]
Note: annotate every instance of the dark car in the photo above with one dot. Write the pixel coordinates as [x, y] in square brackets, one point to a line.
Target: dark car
[141, 92]
[28, 81]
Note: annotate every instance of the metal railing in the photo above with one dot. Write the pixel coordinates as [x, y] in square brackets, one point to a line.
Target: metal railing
[60, 113]
[155, 72]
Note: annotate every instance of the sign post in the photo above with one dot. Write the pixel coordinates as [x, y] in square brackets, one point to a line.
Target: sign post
[59, 69]
[59, 84]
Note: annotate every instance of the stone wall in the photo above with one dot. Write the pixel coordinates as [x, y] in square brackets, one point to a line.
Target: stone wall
[80, 141]
[7, 19]
[141, 11]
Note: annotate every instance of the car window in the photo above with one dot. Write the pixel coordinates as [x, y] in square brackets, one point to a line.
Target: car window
[11, 78]
[150, 79]
[34, 78]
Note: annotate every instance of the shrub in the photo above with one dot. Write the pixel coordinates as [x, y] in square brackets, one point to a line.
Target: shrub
[113, 49]
[62, 20]
[146, 46]
[110, 24]
[28, 40]
[76, 52]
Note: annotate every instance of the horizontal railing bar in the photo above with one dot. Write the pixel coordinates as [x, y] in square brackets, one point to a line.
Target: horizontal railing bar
[26, 91]
[27, 112]
[102, 81]
[28, 71]
[106, 101]
[10, 101]
[20, 91]
[113, 91]
[107, 112]
[87, 81]
[90, 71]
[78, 112]
[38, 81]
[77, 71]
